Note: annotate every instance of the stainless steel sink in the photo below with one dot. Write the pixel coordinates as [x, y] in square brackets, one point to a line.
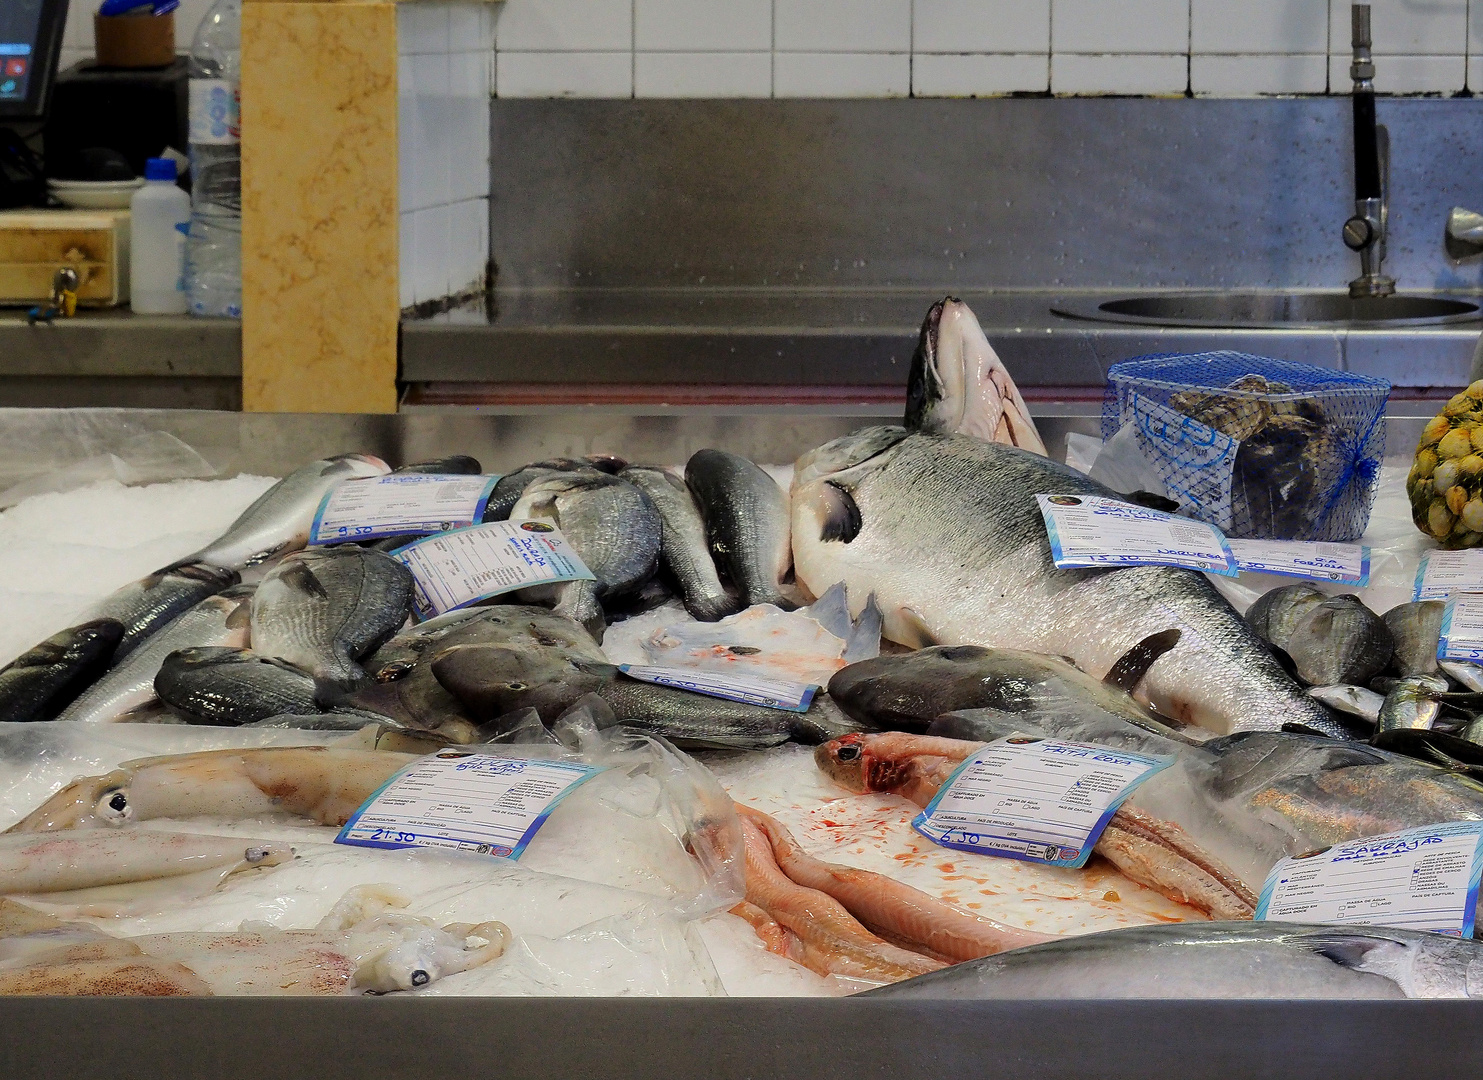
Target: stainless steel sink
[1275, 310]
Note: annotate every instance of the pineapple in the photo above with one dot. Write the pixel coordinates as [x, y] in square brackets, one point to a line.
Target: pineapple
[1446, 480]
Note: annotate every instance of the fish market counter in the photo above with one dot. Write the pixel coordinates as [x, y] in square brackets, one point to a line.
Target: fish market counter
[608, 1024]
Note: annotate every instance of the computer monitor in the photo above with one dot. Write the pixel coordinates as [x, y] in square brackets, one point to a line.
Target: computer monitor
[30, 41]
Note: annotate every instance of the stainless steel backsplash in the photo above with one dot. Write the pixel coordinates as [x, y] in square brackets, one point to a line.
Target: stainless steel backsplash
[1006, 193]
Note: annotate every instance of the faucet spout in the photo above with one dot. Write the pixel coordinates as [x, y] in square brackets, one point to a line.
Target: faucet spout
[1365, 232]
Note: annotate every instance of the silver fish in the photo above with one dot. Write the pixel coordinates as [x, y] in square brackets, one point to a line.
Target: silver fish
[1411, 703]
[1188, 961]
[280, 519]
[1276, 614]
[217, 620]
[511, 486]
[1415, 627]
[495, 680]
[1468, 674]
[44, 680]
[153, 602]
[946, 531]
[454, 465]
[610, 524]
[746, 519]
[326, 608]
[1339, 641]
[227, 687]
[1353, 700]
[684, 548]
[958, 383]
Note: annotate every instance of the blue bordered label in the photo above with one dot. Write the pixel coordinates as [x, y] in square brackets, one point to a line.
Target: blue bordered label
[400, 504]
[1040, 800]
[1442, 573]
[750, 689]
[1461, 636]
[1095, 531]
[457, 799]
[1418, 879]
[1343, 564]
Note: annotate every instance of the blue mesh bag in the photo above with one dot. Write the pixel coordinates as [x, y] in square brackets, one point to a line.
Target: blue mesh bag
[1261, 448]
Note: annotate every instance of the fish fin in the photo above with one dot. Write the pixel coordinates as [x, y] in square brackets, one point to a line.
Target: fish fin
[1152, 501]
[1350, 951]
[1132, 665]
[864, 641]
[241, 616]
[916, 628]
[300, 577]
[1293, 728]
[841, 514]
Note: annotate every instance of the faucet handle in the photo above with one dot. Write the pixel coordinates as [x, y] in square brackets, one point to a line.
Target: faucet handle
[1359, 23]
[1464, 234]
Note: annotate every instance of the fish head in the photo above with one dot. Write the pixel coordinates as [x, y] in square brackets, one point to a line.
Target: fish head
[843, 761]
[951, 386]
[89, 802]
[354, 466]
[491, 680]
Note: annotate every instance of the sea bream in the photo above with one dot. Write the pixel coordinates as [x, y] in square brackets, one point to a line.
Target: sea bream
[945, 530]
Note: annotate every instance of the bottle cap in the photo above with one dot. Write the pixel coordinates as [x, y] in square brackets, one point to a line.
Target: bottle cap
[159, 168]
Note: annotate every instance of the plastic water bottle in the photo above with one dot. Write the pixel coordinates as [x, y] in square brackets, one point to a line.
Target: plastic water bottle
[159, 217]
[213, 260]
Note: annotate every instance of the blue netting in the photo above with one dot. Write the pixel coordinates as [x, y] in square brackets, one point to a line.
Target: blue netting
[1259, 447]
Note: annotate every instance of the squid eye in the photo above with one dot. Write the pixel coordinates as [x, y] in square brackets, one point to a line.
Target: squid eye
[848, 753]
[420, 978]
[515, 686]
[114, 808]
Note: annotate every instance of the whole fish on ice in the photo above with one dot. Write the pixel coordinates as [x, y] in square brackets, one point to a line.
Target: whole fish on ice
[1187, 961]
[152, 603]
[684, 549]
[44, 680]
[945, 530]
[746, 519]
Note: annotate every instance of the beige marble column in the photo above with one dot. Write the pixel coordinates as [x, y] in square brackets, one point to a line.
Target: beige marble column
[319, 206]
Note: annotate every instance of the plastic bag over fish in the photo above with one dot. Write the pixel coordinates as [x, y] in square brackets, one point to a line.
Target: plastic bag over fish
[1258, 447]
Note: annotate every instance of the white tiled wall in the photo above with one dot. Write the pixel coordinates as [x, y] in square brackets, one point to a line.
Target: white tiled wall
[960, 48]
[445, 55]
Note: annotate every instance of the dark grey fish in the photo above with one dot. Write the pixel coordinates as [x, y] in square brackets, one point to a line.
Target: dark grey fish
[1339, 641]
[906, 692]
[326, 608]
[612, 526]
[1415, 628]
[746, 520]
[403, 686]
[684, 549]
[493, 681]
[1276, 613]
[511, 486]
[1187, 961]
[44, 680]
[230, 687]
[456, 465]
[153, 602]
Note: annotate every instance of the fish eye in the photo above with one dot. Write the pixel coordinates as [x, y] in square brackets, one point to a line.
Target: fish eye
[114, 807]
[397, 669]
[515, 686]
[848, 753]
[420, 978]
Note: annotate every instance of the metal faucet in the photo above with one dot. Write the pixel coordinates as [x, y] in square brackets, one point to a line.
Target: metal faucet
[1365, 231]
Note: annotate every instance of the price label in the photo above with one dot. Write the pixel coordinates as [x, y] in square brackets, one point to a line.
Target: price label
[1091, 530]
[398, 505]
[1345, 563]
[1420, 879]
[458, 568]
[1041, 800]
[752, 689]
[1462, 628]
[1443, 573]
[472, 802]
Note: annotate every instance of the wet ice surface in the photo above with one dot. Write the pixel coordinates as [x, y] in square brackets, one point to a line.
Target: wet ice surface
[62, 551]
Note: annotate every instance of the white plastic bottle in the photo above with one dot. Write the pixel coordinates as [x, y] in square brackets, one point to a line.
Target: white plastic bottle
[214, 247]
[159, 217]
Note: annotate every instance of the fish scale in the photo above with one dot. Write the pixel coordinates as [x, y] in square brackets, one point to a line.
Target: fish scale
[324, 609]
[946, 531]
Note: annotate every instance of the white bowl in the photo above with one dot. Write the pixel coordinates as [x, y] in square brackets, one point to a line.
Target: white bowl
[95, 194]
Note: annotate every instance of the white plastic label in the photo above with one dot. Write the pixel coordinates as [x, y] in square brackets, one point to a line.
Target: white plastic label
[1041, 800]
[214, 119]
[461, 567]
[1443, 573]
[458, 799]
[1346, 563]
[1091, 530]
[1462, 628]
[1420, 879]
[399, 504]
[751, 689]
[1206, 457]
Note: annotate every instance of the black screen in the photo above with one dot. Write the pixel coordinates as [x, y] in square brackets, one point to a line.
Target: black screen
[30, 35]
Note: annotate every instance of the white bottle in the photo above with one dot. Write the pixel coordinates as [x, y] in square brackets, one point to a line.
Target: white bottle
[213, 279]
[159, 217]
